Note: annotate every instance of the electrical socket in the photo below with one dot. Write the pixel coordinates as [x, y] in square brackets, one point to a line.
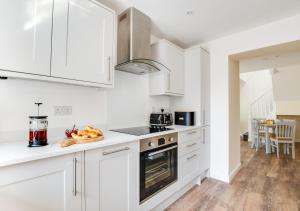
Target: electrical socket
[62, 110]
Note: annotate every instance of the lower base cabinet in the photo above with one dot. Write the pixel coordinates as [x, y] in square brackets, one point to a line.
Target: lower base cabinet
[112, 178]
[53, 184]
[194, 154]
[104, 179]
[189, 167]
[205, 150]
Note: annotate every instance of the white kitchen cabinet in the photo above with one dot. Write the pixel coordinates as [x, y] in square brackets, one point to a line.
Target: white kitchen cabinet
[189, 167]
[64, 41]
[52, 184]
[190, 155]
[25, 38]
[205, 87]
[194, 154]
[189, 141]
[83, 41]
[112, 178]
[205, 150]
[164, 82]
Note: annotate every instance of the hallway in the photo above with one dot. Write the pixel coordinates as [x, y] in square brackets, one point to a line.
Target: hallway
[263, 183]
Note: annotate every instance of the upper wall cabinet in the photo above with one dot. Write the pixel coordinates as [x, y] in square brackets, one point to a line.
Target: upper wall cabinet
[205, 87]
[83, 36]
[25, 37]
[68, 41]
[168, 83]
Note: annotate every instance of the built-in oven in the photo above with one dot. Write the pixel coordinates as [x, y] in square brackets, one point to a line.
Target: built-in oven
[158, 164]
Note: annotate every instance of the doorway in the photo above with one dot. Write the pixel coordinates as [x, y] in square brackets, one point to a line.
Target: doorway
[262, 85]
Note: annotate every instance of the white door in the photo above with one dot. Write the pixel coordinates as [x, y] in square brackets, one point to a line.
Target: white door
[25, 37]
[112, 178]
[44, 185]
[205, 88]
[83, 37]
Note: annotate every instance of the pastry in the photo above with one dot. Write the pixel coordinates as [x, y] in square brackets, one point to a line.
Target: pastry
[96, 130]
[68, 142]
[90, 134]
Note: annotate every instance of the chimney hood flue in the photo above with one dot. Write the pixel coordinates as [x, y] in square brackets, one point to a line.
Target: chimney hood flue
[134, 47]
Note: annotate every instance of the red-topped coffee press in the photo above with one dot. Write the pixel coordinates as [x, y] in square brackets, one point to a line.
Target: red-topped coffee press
[38, 129]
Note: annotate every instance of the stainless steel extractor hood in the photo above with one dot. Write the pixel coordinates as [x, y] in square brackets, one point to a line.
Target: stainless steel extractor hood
[134, 50]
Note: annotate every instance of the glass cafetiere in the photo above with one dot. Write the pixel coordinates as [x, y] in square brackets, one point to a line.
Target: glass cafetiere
[38, 130]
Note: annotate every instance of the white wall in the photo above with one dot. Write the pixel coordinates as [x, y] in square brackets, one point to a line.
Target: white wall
[256, 85]
[288, 108]
[234, 117]
[267, 62]
[192, 97]
[278, 32]
[286, 90]
[287, 84]
[129, 103]
[18, 97]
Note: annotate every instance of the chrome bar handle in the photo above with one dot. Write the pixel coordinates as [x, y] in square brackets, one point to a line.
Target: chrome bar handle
[204, 136]
[193, 144]
[169, 81]
[163, 150]
[115, 151]
[74, 176]
[192, 132]
[193, 156]
[109, 64]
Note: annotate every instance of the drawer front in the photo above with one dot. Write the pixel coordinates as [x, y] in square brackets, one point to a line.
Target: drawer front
[188, 146]
[189, 167]
[189, 135]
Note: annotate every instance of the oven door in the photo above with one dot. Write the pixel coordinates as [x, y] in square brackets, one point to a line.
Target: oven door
[158, 168]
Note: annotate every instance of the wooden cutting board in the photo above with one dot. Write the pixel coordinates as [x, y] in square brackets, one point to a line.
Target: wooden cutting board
[72, 141]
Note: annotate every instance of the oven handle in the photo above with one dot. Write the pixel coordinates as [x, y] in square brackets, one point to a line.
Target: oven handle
[163, 150]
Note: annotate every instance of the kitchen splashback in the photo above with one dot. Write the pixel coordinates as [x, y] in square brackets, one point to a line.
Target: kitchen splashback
[128, 104]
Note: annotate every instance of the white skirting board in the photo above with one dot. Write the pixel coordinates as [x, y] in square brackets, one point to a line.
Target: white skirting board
[234, 172]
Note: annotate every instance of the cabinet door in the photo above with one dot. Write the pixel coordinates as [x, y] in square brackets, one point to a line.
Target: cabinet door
[189, 167]
[112, 178]
[175, 62]
[47, 185]
[205, 88]
[168, 83]
[83, 37]
[25, 38]
[205, 150]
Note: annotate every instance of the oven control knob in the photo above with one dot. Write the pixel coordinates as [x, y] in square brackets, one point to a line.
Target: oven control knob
[171, 139]
[151, 144]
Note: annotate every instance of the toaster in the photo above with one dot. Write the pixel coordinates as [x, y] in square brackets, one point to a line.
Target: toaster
[161, 118]
[186, 118]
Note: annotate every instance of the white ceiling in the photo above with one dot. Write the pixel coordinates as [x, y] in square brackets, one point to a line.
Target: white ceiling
[211, 19]
[276, 61]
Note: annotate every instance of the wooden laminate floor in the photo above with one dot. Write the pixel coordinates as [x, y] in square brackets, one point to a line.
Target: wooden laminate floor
[263, 183]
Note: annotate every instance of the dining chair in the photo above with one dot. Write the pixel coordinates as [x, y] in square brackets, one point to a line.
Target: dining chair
[258, 133]
[254, 133]
[285, 133]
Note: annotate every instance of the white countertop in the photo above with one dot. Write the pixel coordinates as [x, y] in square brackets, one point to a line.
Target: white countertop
[17, 152]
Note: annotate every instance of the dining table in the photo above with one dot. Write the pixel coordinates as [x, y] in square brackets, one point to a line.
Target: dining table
[268, 129]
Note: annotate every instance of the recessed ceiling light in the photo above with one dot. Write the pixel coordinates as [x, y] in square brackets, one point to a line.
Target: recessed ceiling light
[189, 12]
